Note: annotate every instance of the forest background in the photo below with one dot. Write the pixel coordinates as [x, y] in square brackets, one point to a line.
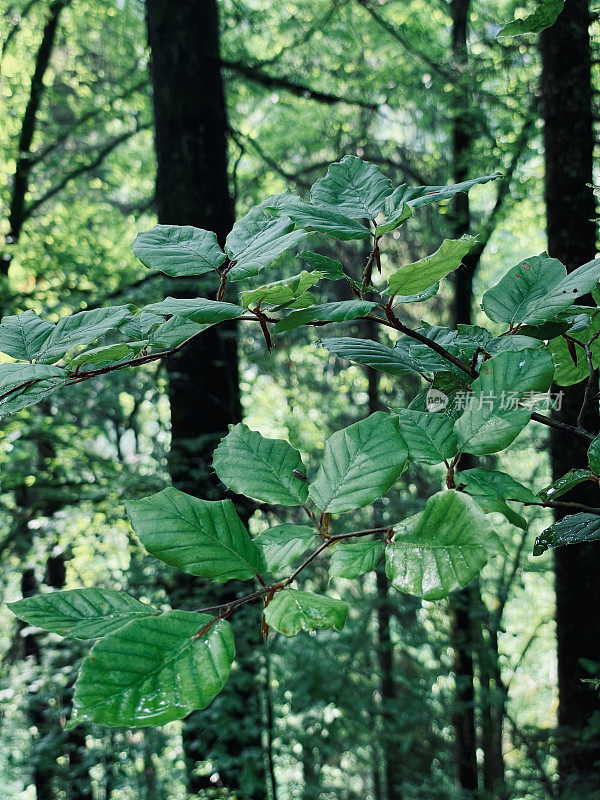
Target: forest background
[413, 700]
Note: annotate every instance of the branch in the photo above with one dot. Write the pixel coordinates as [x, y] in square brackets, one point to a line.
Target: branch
[227, 608]
[83, 168]
[17, 212]
[504, 185]
[395, 34]
[305, 37]
[17, 19]
[399, 326]
[289, 176]
[42, 152]
[256, 75]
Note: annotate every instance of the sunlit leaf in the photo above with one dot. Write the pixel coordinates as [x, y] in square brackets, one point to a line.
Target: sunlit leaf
[416, 277]
[353, 559]
[283, 544]
[360, 463]
[292, 611]
[201, 537]
[81, 613]
[178, 250]
[352, 187]
[544, 16]
[441, 549]
[265, 469]
[154, 670]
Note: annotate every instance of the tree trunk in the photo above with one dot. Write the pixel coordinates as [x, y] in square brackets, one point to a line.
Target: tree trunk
[192, 189]
[570, 208]
[460, 604]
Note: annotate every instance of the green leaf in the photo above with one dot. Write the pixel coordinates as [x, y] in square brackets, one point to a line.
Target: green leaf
[280, 293]
[419, 297]
[491, 489]
[292, 611]
[81, 613]
[594, 456]
[257, 240]
[23, 335]
[108, 353]
[403, 213]
[341, 311]
[265, 469]
[329, 268]
[565, 483]
[545, 15]
[138, 327]
[178, 250]
[492, 483]
[320, 219]
[537, 289]
[430, 437]
[283, 544]
[13, 375]
[441, 549]
[360, 463]
[352, 187]
[413, 278]
[32, 394]
[175, 331]
[197, 309]
[353, 559]
[419, 196]
[81, 329]
[574, 529]
[200, 537]
[503, 380]
[154, 670]
[567, 372]
[371, 354]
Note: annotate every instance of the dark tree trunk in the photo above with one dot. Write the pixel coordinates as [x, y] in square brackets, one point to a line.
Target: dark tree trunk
[392, 759]
[18, 209]
[462, 639]
[569, 142]
[192, 189]
[392, 762]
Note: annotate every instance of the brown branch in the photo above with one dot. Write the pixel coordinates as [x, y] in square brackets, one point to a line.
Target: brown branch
[255, 74]
[227, 608]
[42, 152]
[83, 168]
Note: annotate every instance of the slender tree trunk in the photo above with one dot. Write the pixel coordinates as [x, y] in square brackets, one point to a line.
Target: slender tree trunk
[392, 760]
[460, 602]
[18, 211]
[570, 206]
[192, 189]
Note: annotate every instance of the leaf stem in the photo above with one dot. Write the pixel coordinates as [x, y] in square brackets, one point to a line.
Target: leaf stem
[227, 608]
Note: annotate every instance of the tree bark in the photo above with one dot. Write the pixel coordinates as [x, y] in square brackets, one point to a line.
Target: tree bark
[192, 189]
[570, 209]
[17, 211]
[460, 602]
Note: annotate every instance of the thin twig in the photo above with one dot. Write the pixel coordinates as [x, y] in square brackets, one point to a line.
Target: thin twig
[276, 587]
